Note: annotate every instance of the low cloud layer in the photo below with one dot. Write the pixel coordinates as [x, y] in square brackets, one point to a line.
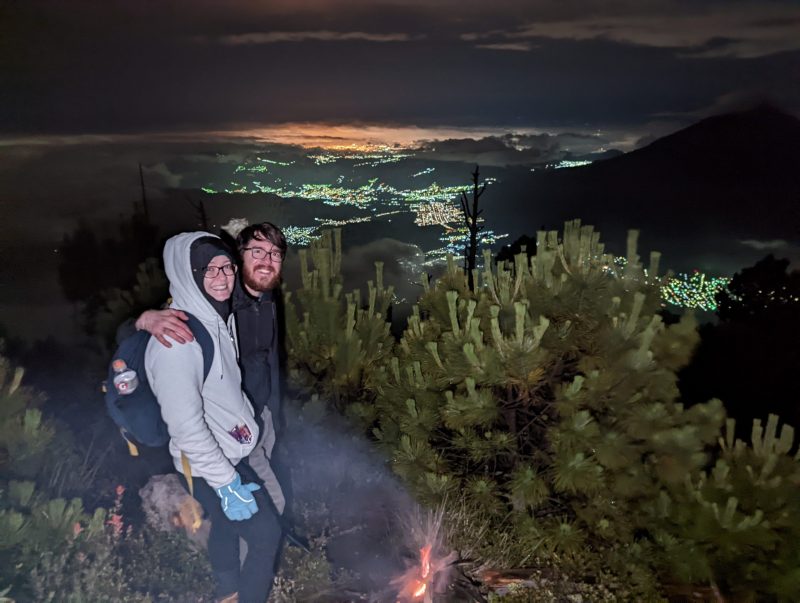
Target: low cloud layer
[402, 268]
[515, 46]
[772, 245]
[517, 149]
[274, 37]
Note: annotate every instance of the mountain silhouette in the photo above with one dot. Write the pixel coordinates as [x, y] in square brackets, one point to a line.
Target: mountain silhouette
[734, 176]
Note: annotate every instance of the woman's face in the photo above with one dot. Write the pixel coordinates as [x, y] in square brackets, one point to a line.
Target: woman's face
[217, 283]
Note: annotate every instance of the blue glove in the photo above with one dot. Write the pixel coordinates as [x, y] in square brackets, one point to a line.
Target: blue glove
[237, 501]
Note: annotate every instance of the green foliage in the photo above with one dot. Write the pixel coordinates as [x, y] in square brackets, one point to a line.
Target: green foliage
[165, 565]
[33, 448]
[51, 549]
[42, 538]
[306, 576]
[546, 403]
[332, 339]
[737, 525]
[23, 438]
[71, 574]
[543, 395]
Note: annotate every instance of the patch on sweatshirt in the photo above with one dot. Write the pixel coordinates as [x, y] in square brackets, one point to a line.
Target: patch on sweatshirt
[242, 434]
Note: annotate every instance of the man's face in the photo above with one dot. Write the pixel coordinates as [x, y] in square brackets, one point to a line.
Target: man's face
[260, 274]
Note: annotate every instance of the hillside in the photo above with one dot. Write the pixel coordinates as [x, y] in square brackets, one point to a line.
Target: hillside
[731, 175]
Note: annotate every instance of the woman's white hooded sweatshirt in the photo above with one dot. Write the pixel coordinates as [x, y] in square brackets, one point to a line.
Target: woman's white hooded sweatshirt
[211, 422]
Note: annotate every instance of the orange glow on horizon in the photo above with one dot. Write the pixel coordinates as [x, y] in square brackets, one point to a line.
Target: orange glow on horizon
[335, 137]
[352, 136]
[361, 136]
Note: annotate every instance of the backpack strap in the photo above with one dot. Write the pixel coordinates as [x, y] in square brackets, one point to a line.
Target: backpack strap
[203, 337]
[197, 519]
[187, 473]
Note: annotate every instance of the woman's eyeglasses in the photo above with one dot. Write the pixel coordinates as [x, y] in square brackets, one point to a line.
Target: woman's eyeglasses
[213, 271]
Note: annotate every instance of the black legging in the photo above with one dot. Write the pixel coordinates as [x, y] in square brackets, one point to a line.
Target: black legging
[261, 532]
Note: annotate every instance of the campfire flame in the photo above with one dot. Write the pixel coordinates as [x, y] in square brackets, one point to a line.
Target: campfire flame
[425, 561]
[424, 571]
[429, 574]
[417, 583]
[414, 584]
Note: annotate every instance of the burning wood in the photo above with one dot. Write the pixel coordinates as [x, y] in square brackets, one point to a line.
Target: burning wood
[502, 581]
[436, 573]
[420, 582]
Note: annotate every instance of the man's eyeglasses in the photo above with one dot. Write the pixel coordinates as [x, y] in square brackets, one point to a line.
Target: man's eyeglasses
[259, 254]
[213, 271]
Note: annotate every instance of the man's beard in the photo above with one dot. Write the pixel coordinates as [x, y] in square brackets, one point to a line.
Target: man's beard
[261, 282]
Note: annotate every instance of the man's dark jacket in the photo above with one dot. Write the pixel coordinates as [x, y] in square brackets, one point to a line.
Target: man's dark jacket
[261, 356]
[260, 350]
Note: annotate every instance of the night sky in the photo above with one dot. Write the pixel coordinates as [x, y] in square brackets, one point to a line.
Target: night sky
[138, 66]
[90, 89]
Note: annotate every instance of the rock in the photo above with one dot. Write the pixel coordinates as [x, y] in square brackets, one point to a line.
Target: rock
[168, 507]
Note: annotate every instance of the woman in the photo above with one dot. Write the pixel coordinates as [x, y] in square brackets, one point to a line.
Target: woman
[211, 422]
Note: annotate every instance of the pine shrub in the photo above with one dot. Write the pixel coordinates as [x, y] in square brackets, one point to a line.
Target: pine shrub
[544, 406]
[736, 525]
[336, 345]
[51, 548]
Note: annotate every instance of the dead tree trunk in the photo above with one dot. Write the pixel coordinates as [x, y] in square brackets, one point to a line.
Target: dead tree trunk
[200, 212]
[471, 214]
[144, 196]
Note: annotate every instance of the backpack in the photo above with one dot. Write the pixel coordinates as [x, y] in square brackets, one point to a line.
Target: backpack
[138, 414]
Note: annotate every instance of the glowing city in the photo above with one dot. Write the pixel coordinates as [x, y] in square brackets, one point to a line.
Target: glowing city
[371, 198]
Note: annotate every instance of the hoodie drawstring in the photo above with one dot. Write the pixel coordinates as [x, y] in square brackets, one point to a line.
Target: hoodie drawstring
[219, 346]
[219, 343]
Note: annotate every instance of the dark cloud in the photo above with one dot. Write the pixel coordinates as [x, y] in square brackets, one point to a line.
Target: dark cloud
[732, 102]
[745, 29]
[122, 66]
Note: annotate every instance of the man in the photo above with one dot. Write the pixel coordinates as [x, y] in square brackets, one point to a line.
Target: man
[262, 249]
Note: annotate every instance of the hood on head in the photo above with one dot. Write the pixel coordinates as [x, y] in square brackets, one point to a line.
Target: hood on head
[183, 287]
